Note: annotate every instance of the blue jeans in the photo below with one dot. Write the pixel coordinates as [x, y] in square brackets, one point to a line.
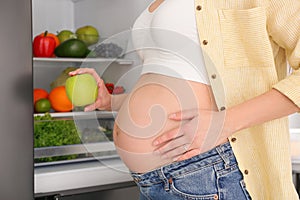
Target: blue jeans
[209, 176]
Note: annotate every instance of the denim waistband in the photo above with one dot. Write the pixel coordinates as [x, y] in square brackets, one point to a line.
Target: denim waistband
[222, 153]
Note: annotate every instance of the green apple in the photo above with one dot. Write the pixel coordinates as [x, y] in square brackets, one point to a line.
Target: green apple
[88, 34]
[82, 89]
[65, 35]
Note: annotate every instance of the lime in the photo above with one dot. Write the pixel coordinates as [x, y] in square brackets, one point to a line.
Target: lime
[65, 35]
[42, 106]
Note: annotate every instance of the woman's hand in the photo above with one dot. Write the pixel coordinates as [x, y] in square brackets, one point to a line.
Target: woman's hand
[103, 101]
[200, 131]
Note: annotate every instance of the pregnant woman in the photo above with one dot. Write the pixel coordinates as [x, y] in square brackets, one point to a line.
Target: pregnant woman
[187, 155]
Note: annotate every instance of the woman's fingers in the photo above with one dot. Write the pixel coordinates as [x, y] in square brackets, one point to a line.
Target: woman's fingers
[90, 71]
[179, 116]
[186, 140]
[168, 136]
[90, 107]
[82, 71]
[184, 115]
[188, 154]
[177, 146]
[176, 153]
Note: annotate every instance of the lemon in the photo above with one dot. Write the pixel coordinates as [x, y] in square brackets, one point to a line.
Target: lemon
[42, 106]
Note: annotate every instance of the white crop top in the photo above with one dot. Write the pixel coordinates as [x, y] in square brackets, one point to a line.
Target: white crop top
[167, 41]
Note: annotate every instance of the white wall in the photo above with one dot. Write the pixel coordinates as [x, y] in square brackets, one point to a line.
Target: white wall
[53, 15]
[108, 16]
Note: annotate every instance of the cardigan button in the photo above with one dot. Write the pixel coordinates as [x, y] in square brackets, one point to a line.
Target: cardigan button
[246, 172]
[205, 42]
[213, 76]
[233, 139]
[222, 108]
[199, 7]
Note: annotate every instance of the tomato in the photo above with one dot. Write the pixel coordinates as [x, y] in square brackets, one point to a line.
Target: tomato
[39, 93]
[110, 87]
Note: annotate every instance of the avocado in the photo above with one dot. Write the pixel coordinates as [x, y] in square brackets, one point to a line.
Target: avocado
[72, 48]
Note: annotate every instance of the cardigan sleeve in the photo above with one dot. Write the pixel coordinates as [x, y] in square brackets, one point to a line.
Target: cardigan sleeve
[283, 24]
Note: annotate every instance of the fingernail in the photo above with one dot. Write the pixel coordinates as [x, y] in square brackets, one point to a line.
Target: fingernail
[155, 143]
[87, 109]
[173, 115]
[156, 152]
[164, 156]
[175, 159]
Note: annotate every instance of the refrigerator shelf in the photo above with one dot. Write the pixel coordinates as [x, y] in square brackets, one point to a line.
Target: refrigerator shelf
[120, 61]
[83, 148]
[79, 177]
[82, 114]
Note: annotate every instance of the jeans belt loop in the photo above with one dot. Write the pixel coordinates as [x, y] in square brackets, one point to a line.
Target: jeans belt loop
[164, 178]
[224, 157]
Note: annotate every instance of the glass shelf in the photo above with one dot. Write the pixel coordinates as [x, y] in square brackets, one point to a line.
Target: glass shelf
[82, 114]
[120, 61]
[69, 137]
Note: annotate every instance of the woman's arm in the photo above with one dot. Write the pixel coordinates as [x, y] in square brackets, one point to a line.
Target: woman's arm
[263, 108]
[117, 101]
[266, 107]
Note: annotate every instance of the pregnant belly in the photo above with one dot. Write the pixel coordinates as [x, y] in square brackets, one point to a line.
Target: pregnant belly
[144, 116]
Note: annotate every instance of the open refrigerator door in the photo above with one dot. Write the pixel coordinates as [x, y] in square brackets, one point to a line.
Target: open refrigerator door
[73, 150]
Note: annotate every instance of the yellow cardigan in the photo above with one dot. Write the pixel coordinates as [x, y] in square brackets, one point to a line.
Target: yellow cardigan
[243, 38]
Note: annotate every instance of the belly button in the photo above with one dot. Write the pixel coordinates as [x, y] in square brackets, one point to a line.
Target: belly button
[115, 131]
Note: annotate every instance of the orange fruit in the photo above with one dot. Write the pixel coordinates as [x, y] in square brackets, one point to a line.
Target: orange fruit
[42, 106]
[57, 42]
[59, 99]
[39, 93]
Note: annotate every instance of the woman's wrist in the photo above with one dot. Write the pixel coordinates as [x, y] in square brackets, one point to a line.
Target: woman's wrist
[116, 101]
[232, 122]
[108, 106]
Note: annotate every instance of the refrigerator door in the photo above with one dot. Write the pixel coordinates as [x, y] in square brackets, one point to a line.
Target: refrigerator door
[16, 144]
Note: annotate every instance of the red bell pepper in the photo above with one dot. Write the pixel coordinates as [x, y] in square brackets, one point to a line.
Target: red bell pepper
[43, 45]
